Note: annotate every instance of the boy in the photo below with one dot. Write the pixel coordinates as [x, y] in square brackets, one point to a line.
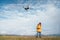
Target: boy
[39, 29]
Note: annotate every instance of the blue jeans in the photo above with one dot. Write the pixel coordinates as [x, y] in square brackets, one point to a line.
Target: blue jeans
[38, 34]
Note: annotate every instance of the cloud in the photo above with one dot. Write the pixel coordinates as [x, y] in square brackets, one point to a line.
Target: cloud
[16, 21]
[19, 21]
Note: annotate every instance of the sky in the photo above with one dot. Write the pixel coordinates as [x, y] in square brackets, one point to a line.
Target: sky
[14, 19]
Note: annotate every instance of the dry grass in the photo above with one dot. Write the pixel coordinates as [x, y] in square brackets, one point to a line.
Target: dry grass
[28, 38]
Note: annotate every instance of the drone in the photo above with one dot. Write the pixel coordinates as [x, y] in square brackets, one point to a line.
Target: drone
[26, 8]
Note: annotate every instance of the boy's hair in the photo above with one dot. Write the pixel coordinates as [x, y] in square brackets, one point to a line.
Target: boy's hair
[39, 22]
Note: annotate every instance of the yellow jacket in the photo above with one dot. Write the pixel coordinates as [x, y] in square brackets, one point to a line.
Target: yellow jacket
[39, 28]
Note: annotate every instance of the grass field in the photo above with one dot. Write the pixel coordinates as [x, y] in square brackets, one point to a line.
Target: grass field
[28, 38]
